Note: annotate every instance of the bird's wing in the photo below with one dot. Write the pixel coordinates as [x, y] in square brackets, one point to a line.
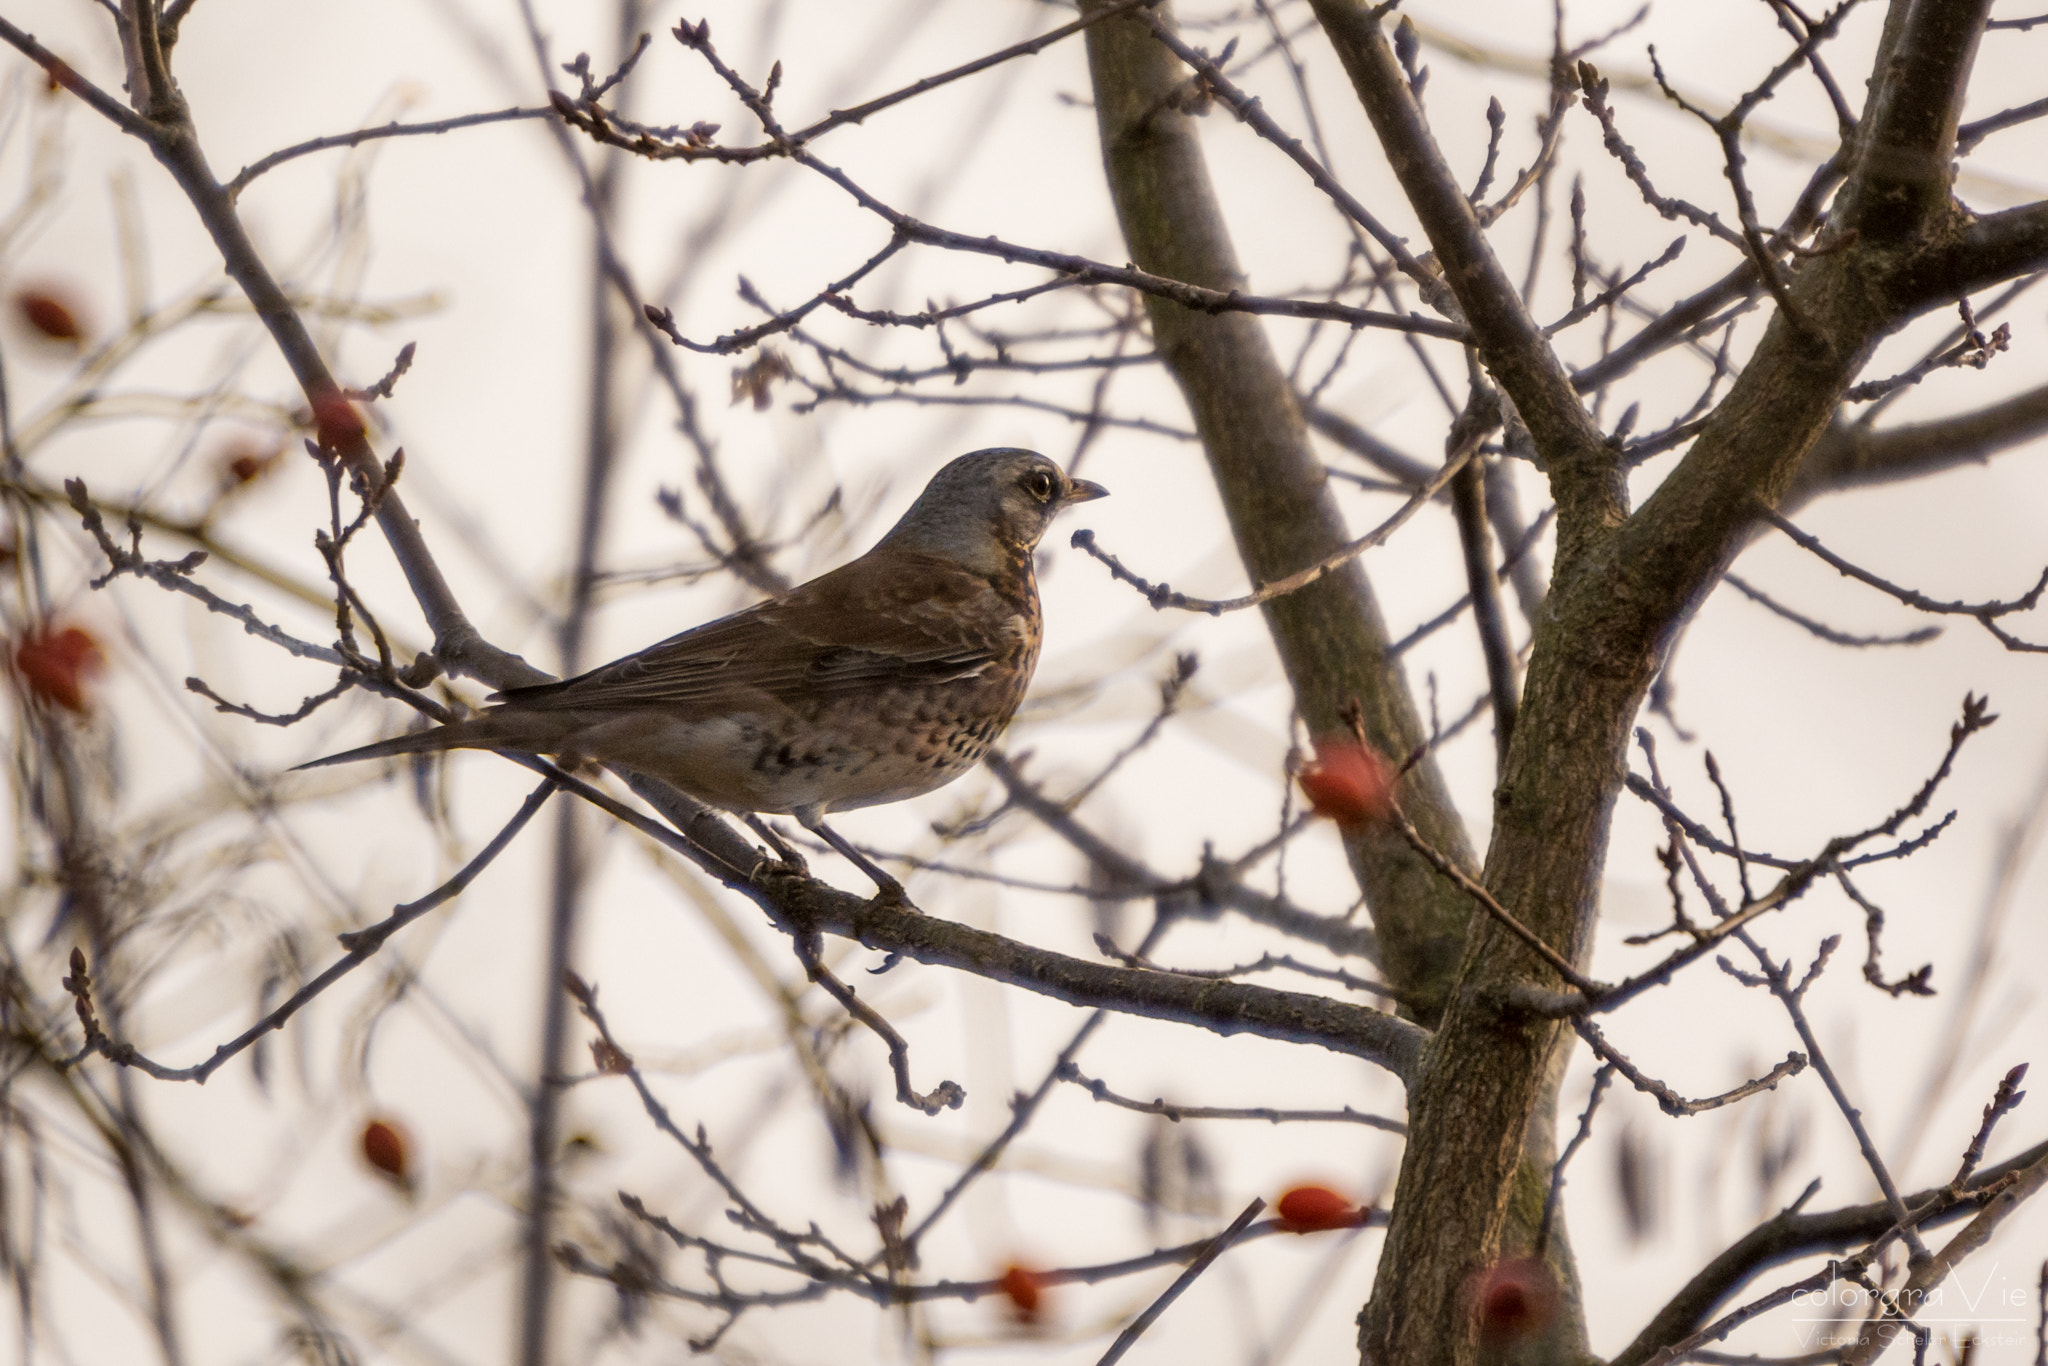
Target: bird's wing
[890, 617]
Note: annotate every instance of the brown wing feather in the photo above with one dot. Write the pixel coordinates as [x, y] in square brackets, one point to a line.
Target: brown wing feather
[890, 617]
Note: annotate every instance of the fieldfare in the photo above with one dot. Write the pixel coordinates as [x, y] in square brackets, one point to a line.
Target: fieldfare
[881, 680]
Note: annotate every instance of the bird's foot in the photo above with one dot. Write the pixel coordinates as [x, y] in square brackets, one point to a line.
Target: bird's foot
[774, 866]
[779, 859]
[890, 896]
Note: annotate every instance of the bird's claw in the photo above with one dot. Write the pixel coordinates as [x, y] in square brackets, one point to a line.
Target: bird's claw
[890, 896]
[772, 865]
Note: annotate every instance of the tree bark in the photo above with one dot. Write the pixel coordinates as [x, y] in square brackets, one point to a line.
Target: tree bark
[1623, 586]
[1330, 636]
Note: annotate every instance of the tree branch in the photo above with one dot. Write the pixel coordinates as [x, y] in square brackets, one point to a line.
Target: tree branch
[1584, 472]
[1848, 456]
[1984, 252]
[1223, 1007]
[1330, 635]
[1790, 1235]
[360, 136]
[1905, 145]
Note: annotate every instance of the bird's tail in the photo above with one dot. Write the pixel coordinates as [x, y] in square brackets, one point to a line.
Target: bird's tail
[493, 729]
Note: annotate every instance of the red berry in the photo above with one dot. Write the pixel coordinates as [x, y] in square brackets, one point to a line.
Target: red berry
[50, 313]
[1025, 1291]
[335, 419]
[1348, 782]
[1514, 1301]
[245, 462]
[1316, 1209]
[387, 1150]
[56, 664]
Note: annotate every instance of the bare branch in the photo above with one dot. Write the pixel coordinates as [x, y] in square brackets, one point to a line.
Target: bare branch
[1601, 1079]
[1216, 1248]
[1821, 629]
[1792, 996]
[1594, 87]
[1791, 1234]
[1508, 339]
[1973, 352]
[393, 129]
[1470, 886]
[361, 945]
[1668, 1100]
[1972, 133]
[1985, 613]
[62, 73]
[1606, 298]
[1931, 1270]
[947, 1095]
[1252, 113]
[1100, 1091]
[1160, 596]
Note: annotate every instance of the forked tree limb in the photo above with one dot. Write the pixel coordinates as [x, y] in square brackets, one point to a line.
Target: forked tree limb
[1330, 636]
[1620, 593]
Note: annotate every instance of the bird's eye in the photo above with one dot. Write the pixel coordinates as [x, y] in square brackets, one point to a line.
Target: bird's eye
[1039, 485]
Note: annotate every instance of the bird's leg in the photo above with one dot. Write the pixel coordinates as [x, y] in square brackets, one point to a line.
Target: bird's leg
[777, 845]
[887, 889]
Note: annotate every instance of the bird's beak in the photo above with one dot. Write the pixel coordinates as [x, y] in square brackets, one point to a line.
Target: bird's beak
[1084, 491]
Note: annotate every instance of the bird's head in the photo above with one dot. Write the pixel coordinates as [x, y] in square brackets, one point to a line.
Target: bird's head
[987, 508]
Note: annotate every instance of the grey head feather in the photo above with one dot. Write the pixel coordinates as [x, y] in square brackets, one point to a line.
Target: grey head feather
[985, 507]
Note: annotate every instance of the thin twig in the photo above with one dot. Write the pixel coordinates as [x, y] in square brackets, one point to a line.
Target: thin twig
[1080, 269]
[1611, 295]
[1917, 982]
[361, 135]
[1217, 1245]
[361, 945]
[1668, 1100]
[1798, 879]
[1481, 416]
[1931, 1269]
[1252, 113]
[305, 709]
[1970, 134]
[1466, 883]
[1263, 963]
[1735, 1318]
[1022, 1109]
[1099, 1089]
[947, 1095]
[694, 144]
[1160, 596]
[2002, 1103]
[1601, 1080]
[1973, 351]
[1821, 629]
[1792, 996]
[1509, 563]
[731, 342]
[1985, 613]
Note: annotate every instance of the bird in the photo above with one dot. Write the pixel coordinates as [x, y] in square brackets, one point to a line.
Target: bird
[884, 679]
